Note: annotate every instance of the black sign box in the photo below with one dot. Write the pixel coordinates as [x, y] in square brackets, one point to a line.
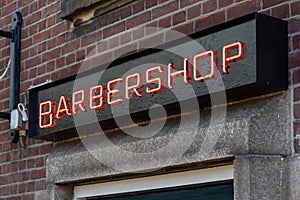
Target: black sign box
[261, 69]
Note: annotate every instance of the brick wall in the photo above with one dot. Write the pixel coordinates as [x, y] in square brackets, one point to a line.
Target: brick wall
[50, 50]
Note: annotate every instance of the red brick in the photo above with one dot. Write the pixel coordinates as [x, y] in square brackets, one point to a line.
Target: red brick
[151, 3]
[40, 185]
[297, 111]
[21, 188]
[54, 8]
[185, 3]
[139, 6]
[33, 61]
[114, 30]
[14, 198]
[152, 41]
[70, 59]
[58, 29]
[28, 197]
[209, 6]
[114, 16]
[281, 11]
[296, 76]
[295, 8]
[296, 42]
[293, 59]
[185, 29]
[243, 9]
[43, 46]
[166, 9]
[125, 38]
[50, 55]
[194, 12]
[42, 36]
[71, 47]
[126, 50]
[140, 19]
[29, 152]
[42, 3]
[7, 10]
[33, 7]
[33, 18]
[80, 55]
[225, 3]
[294, 25]
[165, 23]
[45, 149]
[268, 3]
[125, 12]
[152, 28]
[30, 187]
[179, 18]
[210, 21]
[39, 173]
[137, 34]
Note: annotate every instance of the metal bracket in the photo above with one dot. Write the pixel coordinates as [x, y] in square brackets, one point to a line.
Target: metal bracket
[15, 56]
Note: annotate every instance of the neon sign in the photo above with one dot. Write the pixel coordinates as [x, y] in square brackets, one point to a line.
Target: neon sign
[98, 96]
[248, 54]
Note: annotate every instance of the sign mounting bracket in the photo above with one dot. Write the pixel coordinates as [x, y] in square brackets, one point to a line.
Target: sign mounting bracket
[15, 57]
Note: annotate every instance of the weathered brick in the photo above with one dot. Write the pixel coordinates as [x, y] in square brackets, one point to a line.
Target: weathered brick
[165, 23]
[209, 6]
[194, 12]
[297, 111]
[151, 3]
[293, 59]
[225, 3]
[295, 8]
[114, 30]
[178, 18]
[39, 173]
[210, 21]
[243, 9]
[294, 25]
[165, 9]
[268, 3]
[184, 3]
[281, 11]
[114, 16]
[185, 29]
[125, 12]
[139, 6]
[140, 19]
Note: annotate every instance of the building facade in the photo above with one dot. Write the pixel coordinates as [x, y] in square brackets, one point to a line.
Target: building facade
[241, 148]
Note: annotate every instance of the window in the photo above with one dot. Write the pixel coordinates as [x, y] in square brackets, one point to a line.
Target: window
[203, 184]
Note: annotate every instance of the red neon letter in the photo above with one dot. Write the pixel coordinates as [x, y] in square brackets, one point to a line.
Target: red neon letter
[96, 97]
[134, 87]
[185, 73]
[157, 81]
[63, 106]
[197, 65]
[78, 101]
[111, 91]
[227, 58]
[46, 118]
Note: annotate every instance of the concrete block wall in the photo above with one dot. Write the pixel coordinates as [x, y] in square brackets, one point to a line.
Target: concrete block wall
[53, 50]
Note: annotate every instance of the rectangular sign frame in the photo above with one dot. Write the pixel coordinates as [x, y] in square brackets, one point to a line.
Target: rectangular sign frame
[263, 70]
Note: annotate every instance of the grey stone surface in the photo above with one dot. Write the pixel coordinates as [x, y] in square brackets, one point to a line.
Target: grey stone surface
[258, 127]
[260, 178]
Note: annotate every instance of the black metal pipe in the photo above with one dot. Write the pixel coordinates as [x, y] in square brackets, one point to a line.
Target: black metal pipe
[6, 34]
[15, 55]
[5, 115]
